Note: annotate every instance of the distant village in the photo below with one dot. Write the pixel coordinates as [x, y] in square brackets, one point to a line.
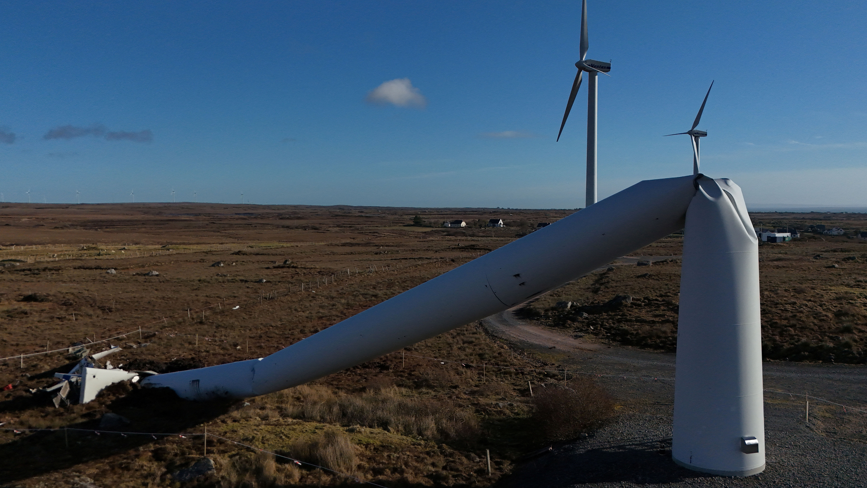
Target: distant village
[772, 235]
[787, 233]
[491, 223]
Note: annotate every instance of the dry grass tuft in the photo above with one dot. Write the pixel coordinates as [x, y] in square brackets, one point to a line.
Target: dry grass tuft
[331, 449]
[389, 408]
[252, 471]
[563, 413]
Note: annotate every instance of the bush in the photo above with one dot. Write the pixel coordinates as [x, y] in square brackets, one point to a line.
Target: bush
[563, 413]
[331, 449]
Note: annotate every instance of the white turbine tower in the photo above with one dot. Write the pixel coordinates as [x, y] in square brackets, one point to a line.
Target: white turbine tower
[132, 195]
[695, 135]
[173, 195]
[78, 196]
[592, 67]
[28, 195]
[195, 196]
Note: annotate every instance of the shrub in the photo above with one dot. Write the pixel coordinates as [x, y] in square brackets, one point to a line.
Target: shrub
[331, 449]
[563, 413]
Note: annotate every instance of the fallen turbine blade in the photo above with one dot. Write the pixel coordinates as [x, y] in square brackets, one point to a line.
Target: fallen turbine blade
[575, 86]
[698, 117]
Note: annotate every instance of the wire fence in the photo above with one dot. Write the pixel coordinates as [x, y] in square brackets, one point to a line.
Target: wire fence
[189, 436]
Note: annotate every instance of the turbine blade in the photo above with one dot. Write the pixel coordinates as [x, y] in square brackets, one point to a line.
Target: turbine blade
[698, 117]
[585, 43]
[677, 134]
[575, 86]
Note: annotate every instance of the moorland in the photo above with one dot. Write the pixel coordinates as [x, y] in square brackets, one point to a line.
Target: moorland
[234, 282]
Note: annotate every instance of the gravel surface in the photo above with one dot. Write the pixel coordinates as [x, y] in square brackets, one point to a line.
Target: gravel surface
[635, 450]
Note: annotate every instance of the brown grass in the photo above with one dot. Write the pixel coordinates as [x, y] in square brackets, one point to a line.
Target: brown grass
[565, 412]
[392, 409]
[331, 449]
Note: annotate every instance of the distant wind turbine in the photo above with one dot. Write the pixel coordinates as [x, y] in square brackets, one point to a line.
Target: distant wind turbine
[695, 135]
[242, 198]
[78, 196]
[592, 67]
[28, 195]
[132, 195]
[173, 195]
[195, 197]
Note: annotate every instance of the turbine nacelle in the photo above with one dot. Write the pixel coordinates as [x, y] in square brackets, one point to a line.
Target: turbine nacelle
[590, 65]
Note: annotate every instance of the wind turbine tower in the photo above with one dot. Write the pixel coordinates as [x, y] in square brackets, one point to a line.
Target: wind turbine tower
[28, 195]
[696, 135]
[132, 195]
[78, 197]
[173, 195]
[593, 68]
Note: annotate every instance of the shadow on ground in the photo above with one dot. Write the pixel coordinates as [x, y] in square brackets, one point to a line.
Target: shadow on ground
[151, 410]
[647, 462]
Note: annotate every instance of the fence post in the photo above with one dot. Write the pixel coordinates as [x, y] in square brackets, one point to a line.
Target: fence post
[488, 456]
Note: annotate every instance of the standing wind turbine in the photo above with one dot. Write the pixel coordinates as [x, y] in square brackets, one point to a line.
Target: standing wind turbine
[695, 135]
[132, 194]
[78, 196]
[28, 195]
[592, 67]
[173, 195]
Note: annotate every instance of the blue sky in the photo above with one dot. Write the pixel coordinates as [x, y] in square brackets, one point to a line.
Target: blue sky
[425, 103]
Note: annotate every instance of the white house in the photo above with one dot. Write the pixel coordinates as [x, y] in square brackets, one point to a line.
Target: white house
[496, 223]
[455, 223]
[836, 231]
[776, 237]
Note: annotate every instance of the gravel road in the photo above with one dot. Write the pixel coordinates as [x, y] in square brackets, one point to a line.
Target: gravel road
[635, 450]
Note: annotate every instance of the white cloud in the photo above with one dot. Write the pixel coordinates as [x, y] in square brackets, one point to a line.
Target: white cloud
[506, 134]
[398, 92]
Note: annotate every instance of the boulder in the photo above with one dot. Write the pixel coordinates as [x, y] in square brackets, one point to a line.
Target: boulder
[218, 264]
[619, 301]
[83, 482]
[152, 273]
[202, 467]
[110, 271]
[643, 263]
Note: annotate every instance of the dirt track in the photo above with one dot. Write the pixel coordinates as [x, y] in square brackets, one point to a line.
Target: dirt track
[636, 449]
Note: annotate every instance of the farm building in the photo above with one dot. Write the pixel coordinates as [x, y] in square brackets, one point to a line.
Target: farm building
[776, 237]
[495, 223]
[455, 223]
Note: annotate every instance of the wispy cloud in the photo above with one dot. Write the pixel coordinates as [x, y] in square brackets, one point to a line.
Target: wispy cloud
[7, 137]
[97, 130]
[140, 136]
[399, 92]
[793, 144]
[507, 134]
[72, 132]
